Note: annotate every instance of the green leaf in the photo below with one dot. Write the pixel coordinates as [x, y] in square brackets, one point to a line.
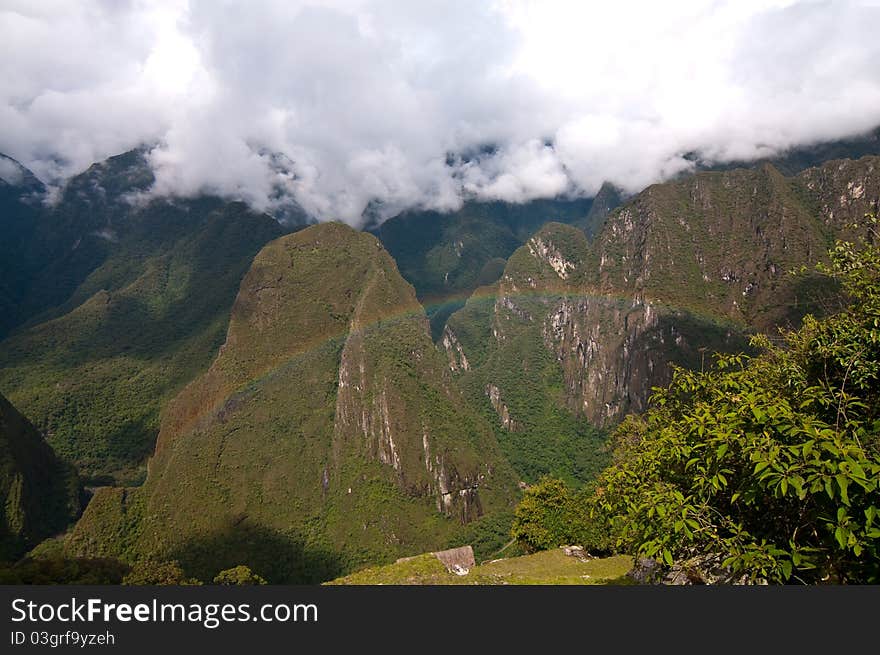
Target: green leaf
[786, 569]
[829, 488]
[843, 483]
[840, 535]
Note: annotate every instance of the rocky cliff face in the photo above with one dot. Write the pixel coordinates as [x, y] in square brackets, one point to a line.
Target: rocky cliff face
[614, 351]
[328, 422]
[843, 191]
[723, 244]
[683, 270]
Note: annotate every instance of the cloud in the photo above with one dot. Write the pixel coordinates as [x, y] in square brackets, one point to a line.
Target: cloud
[344, 104]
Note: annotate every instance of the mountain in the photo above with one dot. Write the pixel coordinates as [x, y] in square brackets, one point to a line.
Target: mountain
[21, 204]
[721, 244]
[496, 347]
[799, 158]
[327, 433]
[123, 302]
[445, 256]
[584, 330]
[606, 200]
[40, 495]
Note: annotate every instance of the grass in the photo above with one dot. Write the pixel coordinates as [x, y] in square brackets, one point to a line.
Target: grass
[549, 567]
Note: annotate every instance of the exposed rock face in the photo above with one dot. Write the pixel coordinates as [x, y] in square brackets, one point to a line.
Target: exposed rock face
[683, 270]
[612, 351]
[724, 243]
[458, 361]
[503, 411]
[328, 412]
[457, 560]
[845, 190]
[704, 569]
[547, 252]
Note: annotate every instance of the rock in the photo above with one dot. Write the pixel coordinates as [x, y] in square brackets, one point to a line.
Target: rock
[576, 551]
[457, 560]
[646, 571]
[704, 569]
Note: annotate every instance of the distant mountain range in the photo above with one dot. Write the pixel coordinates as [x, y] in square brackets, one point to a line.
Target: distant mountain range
[310, 399]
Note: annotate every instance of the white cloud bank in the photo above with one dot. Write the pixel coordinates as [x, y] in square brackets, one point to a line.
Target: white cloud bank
[421, 103]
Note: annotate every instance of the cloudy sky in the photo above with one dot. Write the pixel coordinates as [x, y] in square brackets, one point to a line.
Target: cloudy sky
[420, 103]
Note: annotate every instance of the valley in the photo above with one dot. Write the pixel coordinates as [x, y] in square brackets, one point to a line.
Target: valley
[205, 385]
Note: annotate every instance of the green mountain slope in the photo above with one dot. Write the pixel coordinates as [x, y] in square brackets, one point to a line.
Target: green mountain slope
[584, 331]
[327, 433]
[131, 309]
[21, 205]
[496, 347]
[40, 495]
[446, 256]
[722, 243]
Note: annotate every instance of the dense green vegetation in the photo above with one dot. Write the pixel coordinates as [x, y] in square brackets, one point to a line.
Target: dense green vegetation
[239, 575]
[327, 434]
[40, 494]
[64, 570]
[151, 572]
[144, 314]
[502, 334]
[552, 514]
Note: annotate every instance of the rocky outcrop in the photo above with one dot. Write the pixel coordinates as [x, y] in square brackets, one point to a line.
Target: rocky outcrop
[458, 361]
[846, 190]
[613, 352]
[545, 251]
[501, 409]
[704, 569]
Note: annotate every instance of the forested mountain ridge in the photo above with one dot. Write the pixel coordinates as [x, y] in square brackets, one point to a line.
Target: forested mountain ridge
[684, 269]
[328, 399]
[128, 302]
[40, 494]
[328, 431]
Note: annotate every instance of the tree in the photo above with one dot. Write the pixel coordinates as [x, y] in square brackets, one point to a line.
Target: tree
[239, 575]
[551, 514]
[153, 572]
[771, 462]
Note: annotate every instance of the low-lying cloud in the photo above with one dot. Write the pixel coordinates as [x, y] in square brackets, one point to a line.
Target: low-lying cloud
[344, 104]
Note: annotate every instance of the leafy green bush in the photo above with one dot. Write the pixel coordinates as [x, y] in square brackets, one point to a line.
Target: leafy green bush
[773, 461]
[239, 575]
[551, 514]
[64, 570]
[152, 572]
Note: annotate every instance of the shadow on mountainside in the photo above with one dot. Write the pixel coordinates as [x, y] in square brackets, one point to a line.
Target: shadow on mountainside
[279, 558]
